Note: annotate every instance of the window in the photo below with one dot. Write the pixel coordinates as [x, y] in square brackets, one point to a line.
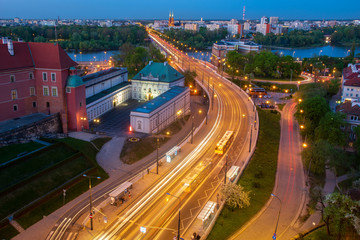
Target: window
[350, 94]
[80, 104]
[54, 91]
[31, 75]
[12, 78]
[15, 107]
[13, 94]
[352, 89]
[139, 125]
[68, 90]
[351, 117]
[46, 91]
[32, 91]
[53, 77]
[34, 104]
[47, 104]
[44, 76]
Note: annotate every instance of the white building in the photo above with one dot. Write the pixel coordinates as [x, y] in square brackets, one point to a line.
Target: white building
[234, 29]
[246, 26]
[274, 20]
[212, 27]
[155, 79]
[351, 83]
[192, 26]
[105, 90]
[160, 112]
[263, 20]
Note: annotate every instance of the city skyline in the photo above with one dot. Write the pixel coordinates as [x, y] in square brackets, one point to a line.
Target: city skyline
[201, 9]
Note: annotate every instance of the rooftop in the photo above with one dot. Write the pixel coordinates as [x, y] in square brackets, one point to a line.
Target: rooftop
[21, 122]
[159, 72]
[157, 102]
[106, 92]
[349, 107]
[102, 73]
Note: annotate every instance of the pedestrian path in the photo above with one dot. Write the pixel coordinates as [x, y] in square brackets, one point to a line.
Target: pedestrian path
[17, 226]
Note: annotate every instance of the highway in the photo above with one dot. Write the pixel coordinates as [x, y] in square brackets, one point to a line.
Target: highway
[158, 211]
[200, 169]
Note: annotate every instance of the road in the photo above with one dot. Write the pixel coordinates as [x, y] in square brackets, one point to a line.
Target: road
[289, 187]
[198, 175]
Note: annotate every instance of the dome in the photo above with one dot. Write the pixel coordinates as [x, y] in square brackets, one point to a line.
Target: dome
[74, 81]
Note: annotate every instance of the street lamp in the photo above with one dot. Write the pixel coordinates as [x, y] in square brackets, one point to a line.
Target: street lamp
[277, 222]
[178, 236]
[91, 216]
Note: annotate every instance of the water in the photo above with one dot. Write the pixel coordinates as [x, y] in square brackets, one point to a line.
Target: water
[330, 51]
[92, 56]
[205, 55]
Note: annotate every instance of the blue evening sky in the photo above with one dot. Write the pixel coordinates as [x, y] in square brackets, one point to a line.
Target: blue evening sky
[183, 9]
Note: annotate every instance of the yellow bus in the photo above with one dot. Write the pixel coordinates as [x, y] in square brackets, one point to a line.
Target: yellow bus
[224, 142]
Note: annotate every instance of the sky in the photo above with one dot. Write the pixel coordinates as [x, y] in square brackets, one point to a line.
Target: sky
[183, 9]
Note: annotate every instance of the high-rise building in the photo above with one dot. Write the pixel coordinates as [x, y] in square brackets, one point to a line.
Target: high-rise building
[263, 20]
[274, 20]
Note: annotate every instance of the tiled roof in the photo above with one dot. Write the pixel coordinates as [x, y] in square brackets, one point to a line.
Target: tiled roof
[160, 100]
[158, 72]
[50, 55]
[21, 58]
[354, 82]
[40, 55]
[349, 107]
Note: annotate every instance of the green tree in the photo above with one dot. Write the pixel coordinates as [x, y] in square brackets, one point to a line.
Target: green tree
[189, 77]
[235, 196]
[316, 155]
[357, 142]
[329, 128]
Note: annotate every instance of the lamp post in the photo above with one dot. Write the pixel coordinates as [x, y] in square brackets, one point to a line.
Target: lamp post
[192, 129]
[157, 155]
[226, 162]
[91, 216]
[277, 221]
[178, 235]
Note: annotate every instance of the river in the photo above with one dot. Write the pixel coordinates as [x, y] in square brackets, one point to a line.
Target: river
[205, 55]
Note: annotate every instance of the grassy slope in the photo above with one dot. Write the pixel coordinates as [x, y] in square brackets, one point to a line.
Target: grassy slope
[258, 177]
[9, 152]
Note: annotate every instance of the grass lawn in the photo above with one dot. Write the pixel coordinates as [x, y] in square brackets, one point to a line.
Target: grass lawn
[8, 232]
[134, 151]
[9, 152]
[51, 180]
[291, 88]
[281, 106]
[319, 234]
[100, 142]
[29, 167]
[258, 177]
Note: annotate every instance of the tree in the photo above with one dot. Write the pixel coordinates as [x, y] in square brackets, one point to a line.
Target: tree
[235, 196]
[189, 77]
[316, 155]
[333, 87]
[343, 212]
[357, 142]
[329, 128]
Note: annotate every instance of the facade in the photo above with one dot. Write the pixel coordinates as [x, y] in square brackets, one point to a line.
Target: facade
[263, 28]
[350, 90]
[155, 79]
[234, 29]
[33, 78]
[192, 27]
[274, 20]
[212, 27]
[352, 111]
[105, 90]
[157, 114]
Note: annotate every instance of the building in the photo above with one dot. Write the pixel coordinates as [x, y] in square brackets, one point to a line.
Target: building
[212, 27]
[234, 29]
[171, 20]
[263, 28]
[274, 20]
[105, 90]
[352, 112]
[263, 20]
[155, 79]
[33, 79]
[192, 27]
[350, 90]
[160, 112]
[246, 26]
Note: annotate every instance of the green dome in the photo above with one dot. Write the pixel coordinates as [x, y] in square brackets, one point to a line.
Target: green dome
[74, 81]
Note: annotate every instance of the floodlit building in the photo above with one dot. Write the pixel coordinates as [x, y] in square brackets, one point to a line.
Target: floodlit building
[351, 83]
[155, 79]
[192, 27]
[158, 113]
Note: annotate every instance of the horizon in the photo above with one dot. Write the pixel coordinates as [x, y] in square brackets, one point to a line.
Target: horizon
[82, 9]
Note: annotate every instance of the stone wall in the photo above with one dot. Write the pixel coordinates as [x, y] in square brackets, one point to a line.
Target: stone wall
[49, 125]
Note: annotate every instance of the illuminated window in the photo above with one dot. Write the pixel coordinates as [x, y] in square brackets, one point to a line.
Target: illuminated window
[54, 91]
[45, 91]
[32, 91]
[13, 94]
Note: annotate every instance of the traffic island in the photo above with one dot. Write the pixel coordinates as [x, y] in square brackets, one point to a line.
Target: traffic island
[258, 177]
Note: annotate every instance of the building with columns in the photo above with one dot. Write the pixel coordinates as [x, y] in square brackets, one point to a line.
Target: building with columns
[155, 79]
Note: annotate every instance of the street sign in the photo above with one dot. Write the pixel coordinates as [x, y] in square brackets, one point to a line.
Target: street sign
[274, 236]
[91, 216]
[143, 229]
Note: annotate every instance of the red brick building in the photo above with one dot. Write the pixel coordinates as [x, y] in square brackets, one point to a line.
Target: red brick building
[33, 79]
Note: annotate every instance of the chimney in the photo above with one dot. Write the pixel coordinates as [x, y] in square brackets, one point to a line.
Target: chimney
[150, 62]
[10, 47]
[4, 40]
[165, 63]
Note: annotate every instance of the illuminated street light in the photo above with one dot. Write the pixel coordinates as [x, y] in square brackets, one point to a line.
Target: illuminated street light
[302, 126]
[91, 210]
[304, 145]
